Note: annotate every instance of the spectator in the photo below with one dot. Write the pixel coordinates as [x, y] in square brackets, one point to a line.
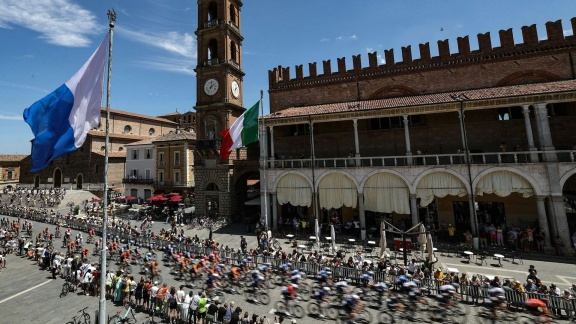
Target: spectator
[560, 250]
[518, 286]
[202, 308]
[221, 313]
[211, 312]
[530, 286]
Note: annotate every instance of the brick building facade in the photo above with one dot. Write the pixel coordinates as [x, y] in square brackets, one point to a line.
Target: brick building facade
[10, 169]
[84, 168]
[427, 139]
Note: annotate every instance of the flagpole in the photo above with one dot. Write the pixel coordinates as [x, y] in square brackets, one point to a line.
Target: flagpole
[264, 164]
[102, 303]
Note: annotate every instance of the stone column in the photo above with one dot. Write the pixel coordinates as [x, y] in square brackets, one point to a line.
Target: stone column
[312, 153]
[356, 142]
[263, 146]
[407, 139]
[271, 128]
[274, 211]
[529, 135]
[556, 203]
[361, 214]
[543, 219]
[414, 209]
[544, 133]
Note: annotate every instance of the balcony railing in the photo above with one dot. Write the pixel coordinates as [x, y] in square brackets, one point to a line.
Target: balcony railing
[169, 184]
[213, 61]
[428, 160]
[137, 181]
[207, 144]
[211, 23]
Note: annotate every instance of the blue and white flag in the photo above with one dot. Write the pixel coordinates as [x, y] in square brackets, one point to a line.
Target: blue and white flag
[61, 120]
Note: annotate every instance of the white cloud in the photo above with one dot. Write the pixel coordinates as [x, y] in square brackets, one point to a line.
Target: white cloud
[59, 22]
[567, 32]
[171, 41]
[353, 37]
[324, 39]
[369, 50]
[21, 86]
[4, 117]
[183, 66]
[339, 38]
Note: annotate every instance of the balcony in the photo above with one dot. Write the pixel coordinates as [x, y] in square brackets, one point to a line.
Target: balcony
[211, 23]
[210, 62]
[131, 180]
[159, 184]
[499, 158]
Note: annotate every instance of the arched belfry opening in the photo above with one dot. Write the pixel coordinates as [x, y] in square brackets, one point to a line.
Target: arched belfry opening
[213, 11]
[233, 51]
[213, 49]
[233, 15]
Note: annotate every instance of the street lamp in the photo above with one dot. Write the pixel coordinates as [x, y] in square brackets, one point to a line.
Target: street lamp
[461, 98]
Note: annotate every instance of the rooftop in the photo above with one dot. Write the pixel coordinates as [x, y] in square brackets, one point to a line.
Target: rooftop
[12, 157]
[131, 114]
[175, 136]
[428, 99]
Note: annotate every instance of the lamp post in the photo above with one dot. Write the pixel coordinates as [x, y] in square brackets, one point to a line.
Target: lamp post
[461, 98]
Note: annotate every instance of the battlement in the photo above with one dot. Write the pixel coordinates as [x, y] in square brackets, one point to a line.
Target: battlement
[280, 78]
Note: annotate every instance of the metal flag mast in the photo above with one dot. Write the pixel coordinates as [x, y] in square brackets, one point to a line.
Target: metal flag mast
[264, 133]
[102, 302]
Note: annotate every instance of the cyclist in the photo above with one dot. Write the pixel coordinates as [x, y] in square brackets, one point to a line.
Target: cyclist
[321, 295]
[324, 277]
[289, 293]
[352, 305]
[341, 287]
[381, 288]
[496, 300]
[537, 307]
[445, 295]
[366, 278]
[211, 282]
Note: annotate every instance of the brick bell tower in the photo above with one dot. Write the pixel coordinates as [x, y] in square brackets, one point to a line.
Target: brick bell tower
[219, 102]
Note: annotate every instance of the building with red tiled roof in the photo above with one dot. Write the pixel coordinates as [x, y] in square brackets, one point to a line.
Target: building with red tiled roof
[10, 169]
[468, 138]
[84, 168]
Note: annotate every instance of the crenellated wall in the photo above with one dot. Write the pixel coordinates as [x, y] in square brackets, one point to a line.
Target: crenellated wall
[533, 60]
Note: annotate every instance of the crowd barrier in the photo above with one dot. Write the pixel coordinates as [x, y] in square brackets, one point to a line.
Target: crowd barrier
[471, 293]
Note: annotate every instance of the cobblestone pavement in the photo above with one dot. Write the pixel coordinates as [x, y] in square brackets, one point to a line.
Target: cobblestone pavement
[27, 295]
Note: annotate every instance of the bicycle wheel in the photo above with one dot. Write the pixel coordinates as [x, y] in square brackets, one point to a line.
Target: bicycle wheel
[114, 319]
[128, 268]
[313, 309]
[157, 277]
[65, 290]
[281, 307]
[385, 317]
[298, 311]
[304, 294]
[276, 244]
[131, 318]
[86, 318]
[364, 317]
[264, 298]
[331, 312]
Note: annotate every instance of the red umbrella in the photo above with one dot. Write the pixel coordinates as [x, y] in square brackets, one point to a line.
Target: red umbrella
[176, 198]
[95, 200]
[129, 198]
[160, 198]
[153, 198]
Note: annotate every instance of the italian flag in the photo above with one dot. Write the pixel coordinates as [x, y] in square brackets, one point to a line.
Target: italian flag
[243, 132]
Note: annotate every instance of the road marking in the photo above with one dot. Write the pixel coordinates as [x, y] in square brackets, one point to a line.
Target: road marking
[25, 291]
[565, 279]
[479, 267]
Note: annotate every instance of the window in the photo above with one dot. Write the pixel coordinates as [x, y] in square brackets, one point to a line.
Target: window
[233, 15]
[96, 168]
[300, 129]
[509, 113]
[212, 11]
[148, 173]
[395, 122]
[9, 175]
[148, 154]
[120, 149]
[233, 51]
[161, 176]
[151, 131]
[211, 187]
[134, 154]
[213, 50]
[134, 174]
[103, 148]
[177, 177]
[127, 129]
[176, 158]
[161, 158]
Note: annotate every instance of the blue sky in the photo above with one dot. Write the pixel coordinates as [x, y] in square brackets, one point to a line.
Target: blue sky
[44, 42]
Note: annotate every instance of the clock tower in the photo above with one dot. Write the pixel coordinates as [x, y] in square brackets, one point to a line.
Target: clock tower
[219, 102]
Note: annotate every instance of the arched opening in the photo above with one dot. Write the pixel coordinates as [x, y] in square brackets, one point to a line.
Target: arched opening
[212, 200]
[212, 49]
[212, 11]
[569, 193]
[79, 180]
[294, 199]
[36, 181]
[247, 188]
[386, 197]
[233, 51]
[338, 198]
[233, 15]
[436, 194]
[211, 129]
[57, 181]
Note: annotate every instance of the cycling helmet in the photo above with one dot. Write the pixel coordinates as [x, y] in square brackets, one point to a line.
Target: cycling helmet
[326, 288]
[356, 297]
[295, 286]
[403, 279]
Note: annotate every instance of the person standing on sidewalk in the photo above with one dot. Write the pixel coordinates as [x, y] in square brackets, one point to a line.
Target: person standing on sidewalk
[193, 308]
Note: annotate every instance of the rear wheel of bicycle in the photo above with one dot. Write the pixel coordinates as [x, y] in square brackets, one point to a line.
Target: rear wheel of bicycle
[86, 318]
[331, 312]
[298, 311]
[264, 298]
[65, 290]
[313, 309]
[157, 278]
[385, 317]
[281, 307]
[114, 320]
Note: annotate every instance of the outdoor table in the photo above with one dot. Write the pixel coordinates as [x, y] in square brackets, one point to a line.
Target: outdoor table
[351, 244]
[452, 270]
[302, 247]
[499, 257]
[469, 255]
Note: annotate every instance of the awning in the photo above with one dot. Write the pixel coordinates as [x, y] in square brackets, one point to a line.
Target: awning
[252, 182]
[254, 202]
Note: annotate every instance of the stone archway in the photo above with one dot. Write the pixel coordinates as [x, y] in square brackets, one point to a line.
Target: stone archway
[57, 178]
[247, 188]
[569, 194]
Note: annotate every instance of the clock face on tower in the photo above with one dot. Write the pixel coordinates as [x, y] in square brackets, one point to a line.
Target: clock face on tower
[211, 87]
[235, 89]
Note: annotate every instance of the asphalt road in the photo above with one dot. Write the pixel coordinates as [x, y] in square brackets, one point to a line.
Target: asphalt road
[27, 294]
